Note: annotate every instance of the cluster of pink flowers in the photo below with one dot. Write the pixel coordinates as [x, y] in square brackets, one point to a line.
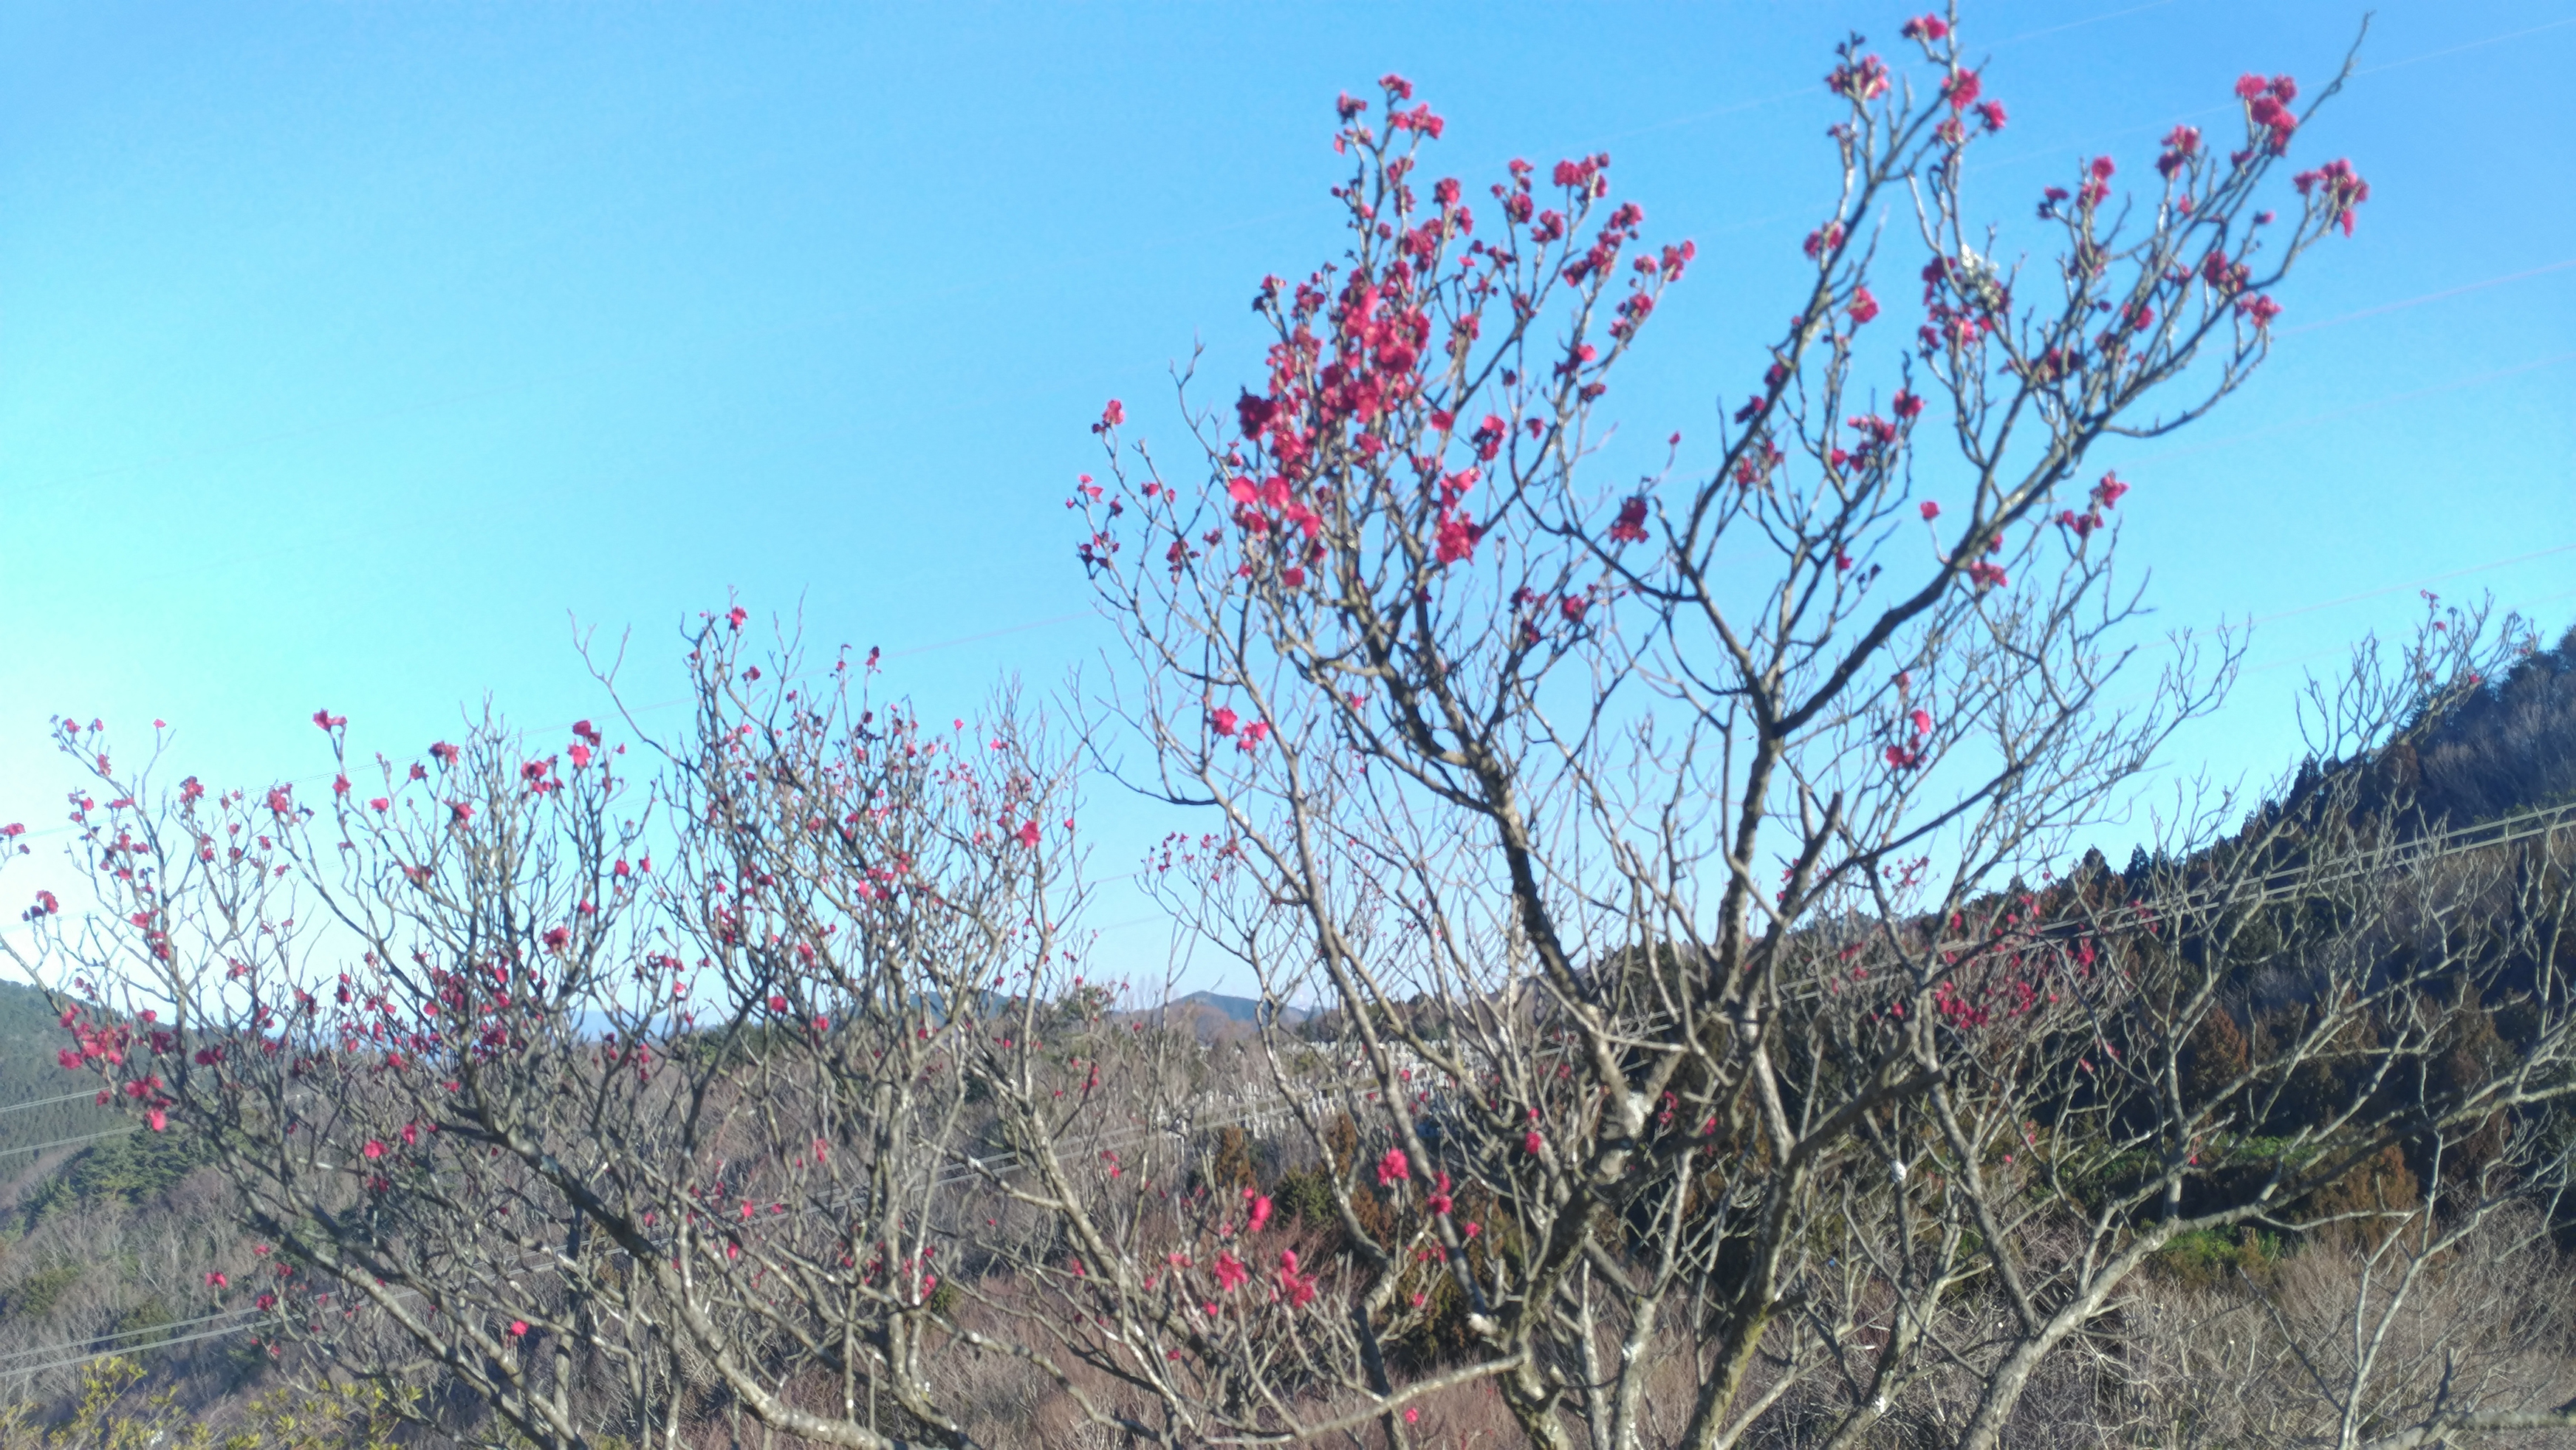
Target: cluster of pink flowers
[2267, 110]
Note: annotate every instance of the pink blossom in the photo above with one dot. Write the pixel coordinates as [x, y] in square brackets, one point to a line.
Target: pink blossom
[1930, 510]
[1862, 80]
[1230, 1272]
[1630, 526]
[1028, 833]
[1260, 1215]
[374, 1149]
[217, 1281]
[2337, 188]
[1393, 1168]
[1863, 306]
[1457, 537]
[1222, 720]
[1926, 28]
[1533, 1142]
[518, 1329]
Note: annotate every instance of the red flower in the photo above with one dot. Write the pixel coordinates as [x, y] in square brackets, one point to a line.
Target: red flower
[1992, 113]
[1393, 1168]
[1863, 307]
[374, 1149]
[1630, 526]
[1533, 1142]
[328, 721]
[1028, 834]
[1110, 417]
[217, 1281]
[2108, 491]
[1230, 1272]
[1906, 404]
[1926, 28]
[1862, 80]
[1457, 538]
[1260, 1215]
[1222, 720]
[518, 1329]
[1255, 413]
[1930, 511]
[735, 616]
[2342, 190]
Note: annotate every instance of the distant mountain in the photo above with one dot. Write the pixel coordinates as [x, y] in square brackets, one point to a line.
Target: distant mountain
[1214, 1016]
[1247, 1010]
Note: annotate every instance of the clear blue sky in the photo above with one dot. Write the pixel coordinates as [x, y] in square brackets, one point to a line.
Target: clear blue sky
[348, 351]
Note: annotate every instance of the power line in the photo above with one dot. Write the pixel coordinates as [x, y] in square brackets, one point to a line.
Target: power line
[45, 1102]
[974, 1170]
[67, 1142]
[2506, 830]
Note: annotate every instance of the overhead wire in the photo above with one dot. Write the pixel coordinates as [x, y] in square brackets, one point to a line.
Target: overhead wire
[504, 389]
[2487, 835]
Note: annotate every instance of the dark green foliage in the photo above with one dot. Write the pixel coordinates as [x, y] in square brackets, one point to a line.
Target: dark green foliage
[134, 1167]
[35, 1296]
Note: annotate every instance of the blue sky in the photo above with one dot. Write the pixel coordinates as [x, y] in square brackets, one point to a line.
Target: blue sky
[348, 352]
